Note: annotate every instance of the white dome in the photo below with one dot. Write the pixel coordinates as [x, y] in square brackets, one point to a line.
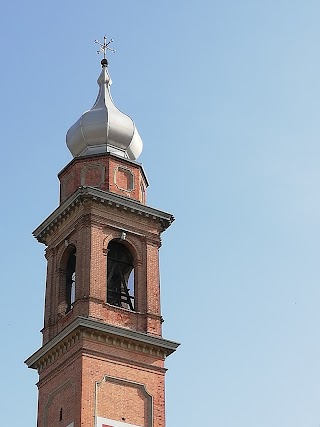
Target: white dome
[104, 128]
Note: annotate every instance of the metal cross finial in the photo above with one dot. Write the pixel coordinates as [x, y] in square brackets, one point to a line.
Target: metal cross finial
[104, 47]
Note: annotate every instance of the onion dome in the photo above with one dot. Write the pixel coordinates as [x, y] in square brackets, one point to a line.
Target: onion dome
[104, 128]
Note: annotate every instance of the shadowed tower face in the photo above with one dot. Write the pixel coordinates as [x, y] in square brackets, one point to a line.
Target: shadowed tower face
[101, 362]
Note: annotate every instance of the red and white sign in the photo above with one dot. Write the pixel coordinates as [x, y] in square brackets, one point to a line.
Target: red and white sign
[105, 422]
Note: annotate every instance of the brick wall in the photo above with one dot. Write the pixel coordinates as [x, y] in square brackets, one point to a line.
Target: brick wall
[97, 377]
[106, 172]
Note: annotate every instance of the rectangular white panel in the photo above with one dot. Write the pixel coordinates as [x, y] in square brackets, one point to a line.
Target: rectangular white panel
[105, 422]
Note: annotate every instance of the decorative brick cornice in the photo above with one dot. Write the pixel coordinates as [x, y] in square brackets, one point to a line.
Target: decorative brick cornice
[83, 327]
[102, 197]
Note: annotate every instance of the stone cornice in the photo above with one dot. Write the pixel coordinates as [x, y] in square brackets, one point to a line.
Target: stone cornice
[99, 196]
[86, 327]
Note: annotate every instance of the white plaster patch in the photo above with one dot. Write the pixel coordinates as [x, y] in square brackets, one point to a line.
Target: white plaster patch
[105, 422]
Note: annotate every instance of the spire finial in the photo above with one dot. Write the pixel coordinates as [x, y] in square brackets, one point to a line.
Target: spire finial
[104, 47]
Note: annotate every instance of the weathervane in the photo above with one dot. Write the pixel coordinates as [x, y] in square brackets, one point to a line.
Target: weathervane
[104, 47]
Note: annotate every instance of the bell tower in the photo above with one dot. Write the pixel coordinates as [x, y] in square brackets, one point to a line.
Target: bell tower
[101, 363]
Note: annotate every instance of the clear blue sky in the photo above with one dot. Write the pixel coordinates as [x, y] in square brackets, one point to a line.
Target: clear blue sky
[226, 96]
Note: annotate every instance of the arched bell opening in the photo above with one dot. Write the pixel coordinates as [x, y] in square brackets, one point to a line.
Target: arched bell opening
[120, 276]
[70, 281]
[67, 280]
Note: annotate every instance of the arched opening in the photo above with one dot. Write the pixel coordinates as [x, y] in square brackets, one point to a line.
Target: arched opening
[71, 280]
[120, 279]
